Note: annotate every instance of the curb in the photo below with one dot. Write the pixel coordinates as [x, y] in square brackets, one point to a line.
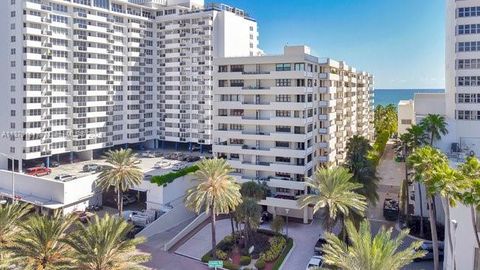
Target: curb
[288, 255]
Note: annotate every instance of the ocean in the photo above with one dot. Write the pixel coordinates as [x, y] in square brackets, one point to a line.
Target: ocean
[393, 96]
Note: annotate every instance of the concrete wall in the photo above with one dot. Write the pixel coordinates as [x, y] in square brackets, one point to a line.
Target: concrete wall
[190, 227]
[406, 115]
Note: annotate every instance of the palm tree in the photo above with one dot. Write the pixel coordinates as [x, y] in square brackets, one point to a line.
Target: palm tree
[253, 190]
[411, 140]
[426, 161]
[103, 245]
[435, 126]
[40, 244]
[122, 174]
[249, 213]
[217, 193]
[10, 217]
[334, 192]
[369, 253]
[360, 165]
[470, 196]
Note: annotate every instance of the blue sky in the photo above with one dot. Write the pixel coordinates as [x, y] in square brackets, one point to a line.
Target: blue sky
[400, 41]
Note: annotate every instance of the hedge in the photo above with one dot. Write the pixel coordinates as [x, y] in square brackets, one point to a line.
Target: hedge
[379, 147]
[284, 254]
[163, 180]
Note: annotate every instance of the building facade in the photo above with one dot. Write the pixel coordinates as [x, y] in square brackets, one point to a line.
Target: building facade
[82, 75]
[277, 118]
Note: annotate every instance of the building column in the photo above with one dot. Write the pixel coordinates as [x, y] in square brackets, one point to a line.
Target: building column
[274, 212]
[20, 165]
[176, 146]
[305, 215]
[190, 147]
[201, 148]
[47, 162]
[163, 144]
[71, 157]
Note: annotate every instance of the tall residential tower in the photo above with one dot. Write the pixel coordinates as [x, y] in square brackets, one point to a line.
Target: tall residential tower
[81, 75]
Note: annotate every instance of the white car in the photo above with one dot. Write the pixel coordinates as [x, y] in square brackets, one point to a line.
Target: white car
[162, 164]
[315, 261]
[178, 167]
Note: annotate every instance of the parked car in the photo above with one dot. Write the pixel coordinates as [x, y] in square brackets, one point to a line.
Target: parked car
[428, 247]
[83, 216]
[162, 164]
[39, 171]
[318, 249]
[391, 209]
[129, 199]
[178, 167]
[63, 177]
[195, 148]
[54, 164]
[158, 154]
[193, 158]
[90, 167]
[315, 261]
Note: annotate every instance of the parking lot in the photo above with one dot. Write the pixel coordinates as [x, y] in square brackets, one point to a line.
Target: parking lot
[146, 164]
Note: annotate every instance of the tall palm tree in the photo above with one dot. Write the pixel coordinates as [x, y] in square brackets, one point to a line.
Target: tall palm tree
[334, 191]
[122, 174]
[360, 165]
[40, 244]
[470, 196]
[11, 216]
[414, 138]
[426, 161]
[217, 193]
[365, 252]
[249, 213]
[435, 125]
[103, 245]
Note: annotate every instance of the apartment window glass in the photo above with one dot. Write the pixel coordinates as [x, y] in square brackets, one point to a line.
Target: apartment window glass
[282, 144]
[222, 83]
[299, 66]
[236, 83]
[282, 129]
[236, 68]
[283, 82]
[282, 113]
[222, 68]
[282, 98]
[283, 67]
[468, 11]
[101, 3]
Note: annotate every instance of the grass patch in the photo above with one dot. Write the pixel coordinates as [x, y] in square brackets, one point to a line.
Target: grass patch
[164, 180]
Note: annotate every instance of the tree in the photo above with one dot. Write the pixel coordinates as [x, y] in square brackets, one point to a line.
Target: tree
[249, 213]
[470, 194]
[359, 164]
[11, 216]
[103, 245]
[385, 119]
[277, 224]
[253, 189]
[369, 253]
[40, 244]
[334, 191]
[435, 126]
[217, 193]
[122, 174]
[426, 161]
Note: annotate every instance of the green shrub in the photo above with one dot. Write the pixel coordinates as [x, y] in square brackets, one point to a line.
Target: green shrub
[231, 266]
[221, 254]
[245, 260]
[207, 257]
[226, 244]
[284, 254]
[277, 224]
[163, 180]
[260, 264]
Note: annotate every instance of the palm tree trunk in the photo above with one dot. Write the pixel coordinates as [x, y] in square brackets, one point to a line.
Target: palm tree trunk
[433, 229]
[447, 228]
[421, 209]
[231, 223]
[474, 223]
[214, 238]
[119, 202]
[431, 139]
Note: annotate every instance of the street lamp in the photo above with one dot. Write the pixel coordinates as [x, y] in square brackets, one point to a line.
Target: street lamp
[455, 225]
[13, 175]
[286, 211]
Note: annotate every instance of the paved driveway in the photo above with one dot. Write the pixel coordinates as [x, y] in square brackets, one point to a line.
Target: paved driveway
[201, 242]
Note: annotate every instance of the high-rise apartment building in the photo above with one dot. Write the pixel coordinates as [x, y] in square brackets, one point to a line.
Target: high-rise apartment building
[82, 75]
[277, 118]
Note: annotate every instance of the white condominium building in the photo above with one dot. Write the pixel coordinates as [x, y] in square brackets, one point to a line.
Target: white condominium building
[81, 75]
[277, 118]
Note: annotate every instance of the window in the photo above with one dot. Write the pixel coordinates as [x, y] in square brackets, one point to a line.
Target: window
[282, 144]
[222, 68]
[282, 113]
[12, 149]
[406, 122]
[222, 83]
[282, 98]
[283, 82]
[236, 83]
[282, 129]
[468, 12]
[282, 159]
[299, 67]
[283, 67]
[12, 112]
[236, 68]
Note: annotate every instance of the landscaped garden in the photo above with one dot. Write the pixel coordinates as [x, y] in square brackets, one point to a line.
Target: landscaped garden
[268, 252]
